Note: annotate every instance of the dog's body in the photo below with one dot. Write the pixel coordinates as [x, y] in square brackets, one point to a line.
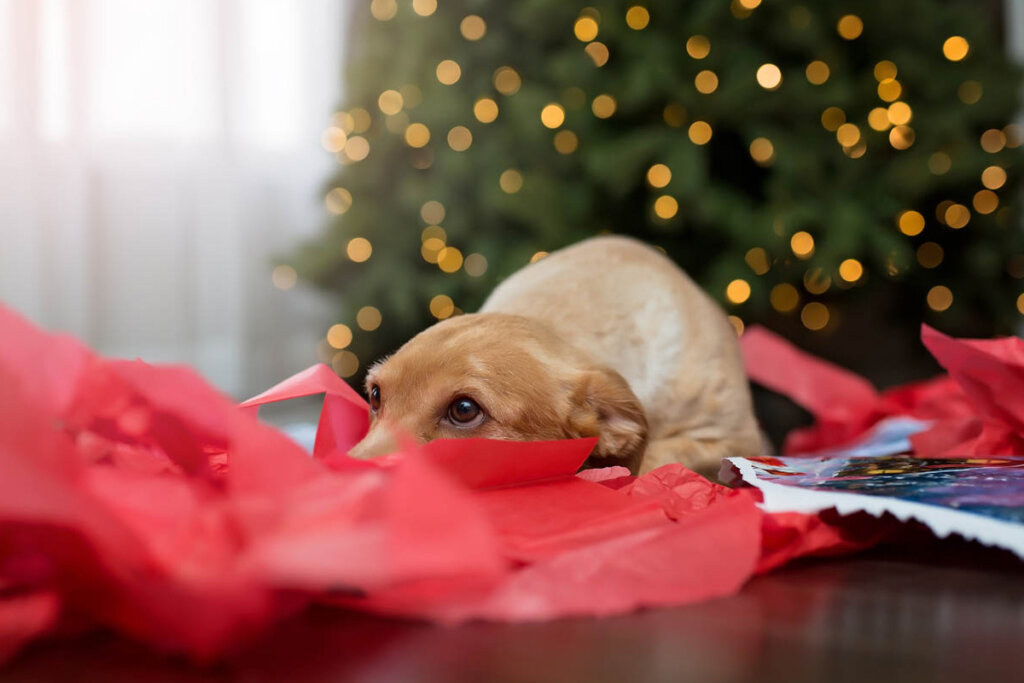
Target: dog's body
[605, 338]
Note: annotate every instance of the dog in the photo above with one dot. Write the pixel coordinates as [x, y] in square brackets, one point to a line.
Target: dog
[605, 338]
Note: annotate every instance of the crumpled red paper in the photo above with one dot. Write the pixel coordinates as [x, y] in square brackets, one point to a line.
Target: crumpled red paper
[135, 497]
[975, 410]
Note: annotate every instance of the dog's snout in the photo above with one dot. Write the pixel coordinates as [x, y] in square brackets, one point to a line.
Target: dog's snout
[380, 440]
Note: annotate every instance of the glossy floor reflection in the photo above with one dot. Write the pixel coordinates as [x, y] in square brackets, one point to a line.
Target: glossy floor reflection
[923, 611]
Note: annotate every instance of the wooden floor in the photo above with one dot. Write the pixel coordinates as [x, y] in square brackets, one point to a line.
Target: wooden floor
[923, 611]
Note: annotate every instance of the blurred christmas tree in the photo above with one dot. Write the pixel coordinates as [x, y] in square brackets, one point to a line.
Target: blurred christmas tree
[840, 171]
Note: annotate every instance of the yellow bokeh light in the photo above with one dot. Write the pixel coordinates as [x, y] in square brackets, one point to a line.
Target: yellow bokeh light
[507, 80]
[930, 255]
[885, 70]
[878, 119]
[359, 249]
[784, 297]
[432, 212]
[603, 106]
[889, 90]
[939, 163]
[985, 202]
[816, 281]
[637, 17]
[585, 29]
[802, 244]
[435, 232]
[361, 120]
[939, 298]
[993, 177]
[397, 123]
[832, 118]
[368, 318]
[970, 92]
[1014, 135]
[552, 115]
[383, 10]
[674, 115]
[955, 48]
[814, 316]
[339, 336]
[417, 135]
[475, 265]
[666, 207]
[448, 72]
[957, 216]
[460, 138]
[900, 113]
[737, 291]
[345, 363]
[442, 306]
[598, 52]
[902, 137]
[910, 223]
[750, 4]
[851, 270]
[762, 151]
[283, 277]
[334, 139]
[737, 324]
[659, 175]
[769, 76]
[430, 248]
[848, 135]
[424, 8]
[857, 151]
[1020, 304]
[540, 255]
[698, 46]
[338, 201]
[700, 132]
[485, 110]
[706, 82]
[357, 148]
[850, 27]
[390, 102]
[449, 259]
[511, 181]
[473, 27]
[993, 140]
[817, 72]
[566, 142]
[757, 259]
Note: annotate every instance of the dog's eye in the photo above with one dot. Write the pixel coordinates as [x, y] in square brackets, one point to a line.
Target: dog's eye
[375, 398]
[464, 411]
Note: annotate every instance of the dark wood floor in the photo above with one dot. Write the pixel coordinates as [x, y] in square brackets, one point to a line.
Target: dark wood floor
[920, 611]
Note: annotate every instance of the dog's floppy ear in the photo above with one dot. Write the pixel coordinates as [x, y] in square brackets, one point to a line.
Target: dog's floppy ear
[605, 407]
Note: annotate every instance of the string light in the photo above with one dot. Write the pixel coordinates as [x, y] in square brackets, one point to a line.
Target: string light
[460, 138]
[361, 120]
[357, 148]
[899, 113]
[911, 223]
[485, 110]
[665, 207]
[985, 202]
[598, 52]
[552, 115]
[585, 29]
[930, 255]
[698, 46]
[334, 139]
[885, 70]
[368, 318]
[817, 72]
[939, 298]
[511, 181]
[814, 316]
[737, 324]
[433, 232]
[1020, 304]
[969, 92]
[848, 134]
[442, 306]
[802, 244]
[424, 8]
[637, 17]
[339, 336]
[538, 256]
[359, 249]
[878, 119]
[769, 76]
[816, 281]
[448, 72]
[700, 132]
[449, 259]
[993, 140]
[706, 82]
[565, 142]
[784, 297]
[832, 118]
[390, 102]
[338, 201]
[603, 106]
[417, 135]
[383, 10]
[674, 115]
[283, 277]
[473, 27]
[902, 137]
[737, 291]
[345, 363]
[851, 270]
[889, 90]
[762, 151]
[430, 249]
[939, 163]
[957, 216]
[757, 259]
[507, 80]
[475, 265]
[432, 212]
[659, 175]
[993, 177]
[850, 27]
[955, 48]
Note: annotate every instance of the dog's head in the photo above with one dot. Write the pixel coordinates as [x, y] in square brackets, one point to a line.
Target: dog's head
[497, 376]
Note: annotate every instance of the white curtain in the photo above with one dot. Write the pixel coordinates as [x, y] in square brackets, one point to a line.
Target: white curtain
[155, 156]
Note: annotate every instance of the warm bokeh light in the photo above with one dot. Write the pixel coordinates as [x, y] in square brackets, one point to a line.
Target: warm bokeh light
[993, 140]
[538, 256]
[637, 17]
[769, 76]
[889, 90]
[665, 207]
[674, 115]
[475, 265]
[1020, 304]
[985, 202]
[359, 249]
[757, 259]
[338, 201]
[957, 216]
[737, 324]
[585, 29]
[698, 46]
[566, 142]
[552, 115]
[345, 363]
[850, 27]
[955, 48]
[706, 82]
[814, 316]
[659, 175]
[339, 336]
[598, 52]
[368, 318]
[485, 110]
[802, 244]
[878, 119]
[700, 132]
[430, 248]
[283, 277]
[816, 281]
[507, 80]
[435, 232]
[383, 10]
[449, 72]
[442, 306]
[424, 8]
[939, 163]
[762, 151]
[417, 135]
[848, 134]
[993, 177]
[432, 212]
[902, 137]
[817, 72]
[334, 139]
[784, 297]
[939, 298]
[459, 138]
[885, 70]
[390, 102]
[357, 148]
[911, 223]
[930, 255]
[511, 181]
[970, 92]
[832, 118]
[449, 259]
[473, 27]
[851, 270]
[900, 113]
[603, 106]
[737, 291]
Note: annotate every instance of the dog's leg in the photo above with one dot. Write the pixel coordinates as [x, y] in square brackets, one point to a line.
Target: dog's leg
[701, 456]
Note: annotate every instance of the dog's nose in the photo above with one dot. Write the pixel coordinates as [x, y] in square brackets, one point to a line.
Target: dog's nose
[380, 440]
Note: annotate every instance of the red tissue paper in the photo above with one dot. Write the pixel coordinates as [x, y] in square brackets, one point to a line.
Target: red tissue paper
[136, 498]
[973, 410]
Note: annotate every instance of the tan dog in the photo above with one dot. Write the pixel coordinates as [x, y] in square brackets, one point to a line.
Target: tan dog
[605, 338]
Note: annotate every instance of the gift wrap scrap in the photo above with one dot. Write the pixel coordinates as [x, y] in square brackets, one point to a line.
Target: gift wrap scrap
[136, 498]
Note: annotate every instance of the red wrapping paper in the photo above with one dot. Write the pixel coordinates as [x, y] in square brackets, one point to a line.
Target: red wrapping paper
[138, 498]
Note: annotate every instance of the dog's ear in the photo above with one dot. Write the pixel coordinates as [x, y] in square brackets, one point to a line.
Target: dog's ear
[604, 406]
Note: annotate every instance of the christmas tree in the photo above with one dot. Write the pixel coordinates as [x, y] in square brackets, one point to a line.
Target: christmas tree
[839, 171]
